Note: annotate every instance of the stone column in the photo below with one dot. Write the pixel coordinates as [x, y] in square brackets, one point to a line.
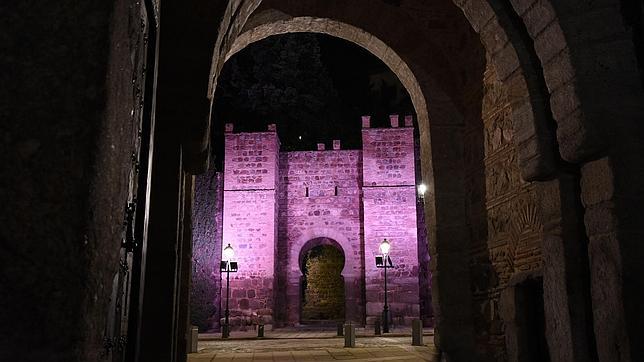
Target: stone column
[183, 326]
[449, 243]
[611, 190]
[352, 308]
[566, 283]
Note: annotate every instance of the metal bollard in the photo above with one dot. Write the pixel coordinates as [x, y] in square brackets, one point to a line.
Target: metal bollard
[194, 338]
[377, 330]
[349, 335]
[340, 330]
[260, 331]
[416, 332]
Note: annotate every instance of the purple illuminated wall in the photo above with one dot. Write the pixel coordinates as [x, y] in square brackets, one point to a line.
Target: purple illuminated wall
[277, 206]
[389, 201]
[250, 222]
[330, 209]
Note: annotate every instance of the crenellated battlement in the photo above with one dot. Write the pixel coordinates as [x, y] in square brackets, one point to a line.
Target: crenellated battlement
[394, 121]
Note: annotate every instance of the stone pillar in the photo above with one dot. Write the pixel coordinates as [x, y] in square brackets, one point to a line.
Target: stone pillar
[352, 297]
[183, 325]
[417, 332]
[389, 201]
[249, 223]
[449, 243]
[566, 283]
[612, 195]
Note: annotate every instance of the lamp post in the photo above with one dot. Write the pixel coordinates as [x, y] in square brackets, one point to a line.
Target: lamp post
[384, 262]
[228, 266]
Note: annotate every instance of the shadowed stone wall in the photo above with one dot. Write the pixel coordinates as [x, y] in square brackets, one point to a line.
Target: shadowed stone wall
[69, 89]
[424, 274]
[207, 237]
[70, 110]
[504, 217]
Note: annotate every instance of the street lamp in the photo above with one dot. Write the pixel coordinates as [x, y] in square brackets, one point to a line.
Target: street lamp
[228, 266]
[383, 261]
[422, 188]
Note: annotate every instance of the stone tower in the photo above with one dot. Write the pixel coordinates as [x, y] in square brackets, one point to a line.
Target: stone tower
[389, 202]
[250, 222]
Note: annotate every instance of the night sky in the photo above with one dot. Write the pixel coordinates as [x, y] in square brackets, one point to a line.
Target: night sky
[314, 87]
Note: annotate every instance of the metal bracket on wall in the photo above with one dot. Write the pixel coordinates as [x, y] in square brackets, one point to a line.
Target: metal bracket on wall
[129, 243]
[135, 162]
[108, 345]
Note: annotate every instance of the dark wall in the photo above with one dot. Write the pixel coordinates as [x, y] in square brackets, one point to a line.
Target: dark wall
[69, 109]
[207, 216]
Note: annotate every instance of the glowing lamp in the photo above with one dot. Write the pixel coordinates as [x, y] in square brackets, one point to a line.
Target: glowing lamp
[422, 188]
[228, 253]
[384, 247]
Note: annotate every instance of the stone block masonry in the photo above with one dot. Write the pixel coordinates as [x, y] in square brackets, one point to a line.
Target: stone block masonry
[389, 206]
[279, 206]
[250, 223]
[320, 198]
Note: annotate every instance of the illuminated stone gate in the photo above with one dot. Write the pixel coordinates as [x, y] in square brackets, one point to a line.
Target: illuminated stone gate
[275, 203]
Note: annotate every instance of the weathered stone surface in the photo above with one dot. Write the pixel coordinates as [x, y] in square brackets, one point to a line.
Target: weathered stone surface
[68, 137]
[506, 225]
[250, 224]
[389, 199]
[70, 116]
[320, 197]
[207, 241]
[566, 283]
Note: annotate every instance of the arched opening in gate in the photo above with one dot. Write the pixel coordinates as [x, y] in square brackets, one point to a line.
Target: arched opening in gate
[322, 295]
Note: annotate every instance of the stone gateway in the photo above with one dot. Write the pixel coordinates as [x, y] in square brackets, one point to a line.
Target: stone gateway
[278, 206]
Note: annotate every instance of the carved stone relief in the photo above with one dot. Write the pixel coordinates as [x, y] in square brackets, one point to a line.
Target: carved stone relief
[507, 205]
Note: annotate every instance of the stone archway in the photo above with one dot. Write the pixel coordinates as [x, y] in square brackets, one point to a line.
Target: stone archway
[350, 272]
[446, 126]
[430, 102]
[588, 69]
[322, 297]
[535, 50]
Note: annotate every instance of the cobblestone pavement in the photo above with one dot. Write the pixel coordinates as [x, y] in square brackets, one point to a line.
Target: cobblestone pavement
[311, 346]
